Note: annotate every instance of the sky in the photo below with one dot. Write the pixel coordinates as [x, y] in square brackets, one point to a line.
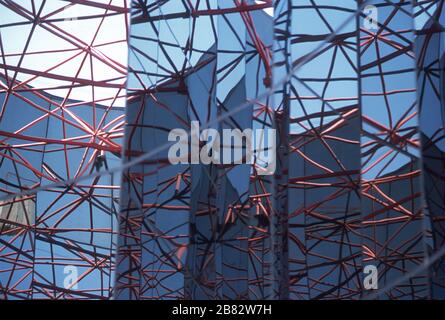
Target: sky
[45, 50]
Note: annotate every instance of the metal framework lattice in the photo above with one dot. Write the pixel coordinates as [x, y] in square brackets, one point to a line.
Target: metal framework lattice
[61, 79]
[357, 104]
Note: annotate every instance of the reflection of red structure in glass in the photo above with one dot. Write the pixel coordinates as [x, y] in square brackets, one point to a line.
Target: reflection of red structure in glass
[359, 175]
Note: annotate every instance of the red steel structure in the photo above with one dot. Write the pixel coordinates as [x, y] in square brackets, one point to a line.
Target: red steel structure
[61, 79]
[354, 91]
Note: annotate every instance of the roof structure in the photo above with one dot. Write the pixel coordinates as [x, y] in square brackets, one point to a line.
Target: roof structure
[62, 94]
[87, 191]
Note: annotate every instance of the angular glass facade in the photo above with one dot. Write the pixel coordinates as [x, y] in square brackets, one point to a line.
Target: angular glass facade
[345, 202]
